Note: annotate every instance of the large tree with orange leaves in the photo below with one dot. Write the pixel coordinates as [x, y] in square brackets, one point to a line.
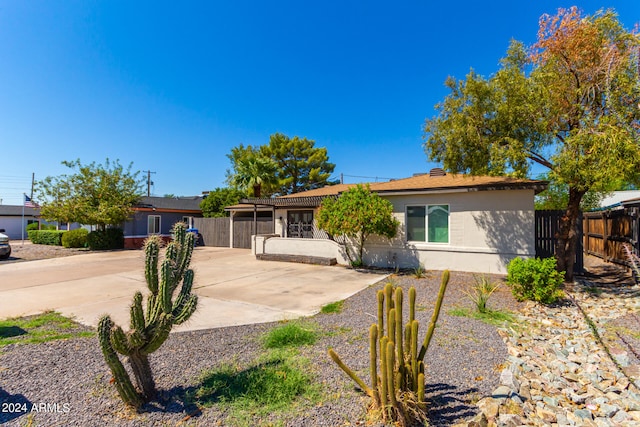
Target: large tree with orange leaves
[570, 102]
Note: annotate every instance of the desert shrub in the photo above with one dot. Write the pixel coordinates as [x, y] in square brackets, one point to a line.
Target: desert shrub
[46, 237]
[535, 279]
[481, 291]
[75, 238]
[111, 238]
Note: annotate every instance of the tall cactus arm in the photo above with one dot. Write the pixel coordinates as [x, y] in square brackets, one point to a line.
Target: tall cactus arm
[373, 358]
[412, 304]
[414, 352]
[185, 291]
[137, 338]
[350, 373]
[166, 287]
[152, 251]
[182, 313]
[185, 254]
[119, 341]
[159, 334]
[122, 381]
[380, 296]
[391, 325]
[137, 314]
[172, 251]
[436, 314]
[399, 346]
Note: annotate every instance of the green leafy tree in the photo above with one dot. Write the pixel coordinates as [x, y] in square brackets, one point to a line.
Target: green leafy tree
[356, 215]
[301, 165]
[556, 197]
[95, 194]
[213, 205]
[569, 103]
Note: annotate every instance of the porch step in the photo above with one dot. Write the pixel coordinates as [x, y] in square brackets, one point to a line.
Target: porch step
[303, 259]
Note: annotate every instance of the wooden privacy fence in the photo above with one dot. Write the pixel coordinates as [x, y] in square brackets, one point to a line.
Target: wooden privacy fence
[606, 232]
[547, 223]
[214, 231]
[243, 229]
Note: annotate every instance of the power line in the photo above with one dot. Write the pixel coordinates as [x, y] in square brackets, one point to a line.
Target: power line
[375, 178]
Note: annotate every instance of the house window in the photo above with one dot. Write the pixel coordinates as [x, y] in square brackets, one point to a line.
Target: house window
[300, 224]
[188, 220]
[153, 224]
[428, 224]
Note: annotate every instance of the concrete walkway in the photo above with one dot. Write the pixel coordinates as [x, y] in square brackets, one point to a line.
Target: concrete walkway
[233, 287]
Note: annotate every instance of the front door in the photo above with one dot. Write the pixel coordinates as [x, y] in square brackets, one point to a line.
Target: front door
[300, 224]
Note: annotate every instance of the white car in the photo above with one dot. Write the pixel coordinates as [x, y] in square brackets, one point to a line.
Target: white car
[5, 247]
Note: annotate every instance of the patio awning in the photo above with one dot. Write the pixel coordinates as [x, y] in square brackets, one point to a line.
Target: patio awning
[287, 202]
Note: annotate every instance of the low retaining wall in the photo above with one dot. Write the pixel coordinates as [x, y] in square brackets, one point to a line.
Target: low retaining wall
[319, 248]
[477, 260]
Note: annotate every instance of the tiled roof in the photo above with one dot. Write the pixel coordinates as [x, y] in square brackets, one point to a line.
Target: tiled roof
[449, 181]
[415, 184]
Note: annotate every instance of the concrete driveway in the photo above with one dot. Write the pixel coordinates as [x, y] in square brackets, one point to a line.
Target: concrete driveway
[233, 287]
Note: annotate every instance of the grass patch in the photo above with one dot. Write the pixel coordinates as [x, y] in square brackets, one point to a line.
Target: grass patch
[338, 330]
[277, 384]
[334, 307]
[48, 326]
[496, 318]
[291, 334]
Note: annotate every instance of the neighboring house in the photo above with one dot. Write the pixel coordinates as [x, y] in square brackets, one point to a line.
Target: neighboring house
[156, 215]
[615, 199]
[455, 222]
[12, 221]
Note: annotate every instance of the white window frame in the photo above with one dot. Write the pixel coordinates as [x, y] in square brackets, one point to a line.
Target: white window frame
[149, 232]
[426, 223]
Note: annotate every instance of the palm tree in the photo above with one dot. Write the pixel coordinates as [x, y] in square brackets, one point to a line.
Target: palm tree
[252, 172]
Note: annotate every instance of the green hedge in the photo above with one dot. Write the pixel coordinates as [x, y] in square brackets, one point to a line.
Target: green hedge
[111, 238]
[46, 237]
[75, 238]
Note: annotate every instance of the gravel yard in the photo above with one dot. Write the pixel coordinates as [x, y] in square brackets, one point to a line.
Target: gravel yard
[463, 364]
[27, 251]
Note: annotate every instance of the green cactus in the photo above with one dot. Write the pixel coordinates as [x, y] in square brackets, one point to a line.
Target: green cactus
[397, 388]
[149, 329]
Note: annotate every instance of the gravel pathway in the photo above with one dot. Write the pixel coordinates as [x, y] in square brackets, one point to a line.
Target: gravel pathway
[68, 381]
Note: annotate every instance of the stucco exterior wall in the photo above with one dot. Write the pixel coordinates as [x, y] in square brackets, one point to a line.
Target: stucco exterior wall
[486, 230]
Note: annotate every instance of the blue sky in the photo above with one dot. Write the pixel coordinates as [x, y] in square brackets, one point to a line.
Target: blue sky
[173, 86]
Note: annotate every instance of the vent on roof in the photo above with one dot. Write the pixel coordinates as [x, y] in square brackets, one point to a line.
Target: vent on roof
[437, 172]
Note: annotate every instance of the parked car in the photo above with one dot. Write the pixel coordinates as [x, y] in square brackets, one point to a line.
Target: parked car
[5, 247]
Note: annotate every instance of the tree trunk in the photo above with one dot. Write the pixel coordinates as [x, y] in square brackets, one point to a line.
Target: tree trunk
[257, 190]
[568, 235]
[142, 373]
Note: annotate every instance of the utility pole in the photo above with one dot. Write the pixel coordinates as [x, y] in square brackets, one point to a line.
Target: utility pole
[33, 183]
[149, 182]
